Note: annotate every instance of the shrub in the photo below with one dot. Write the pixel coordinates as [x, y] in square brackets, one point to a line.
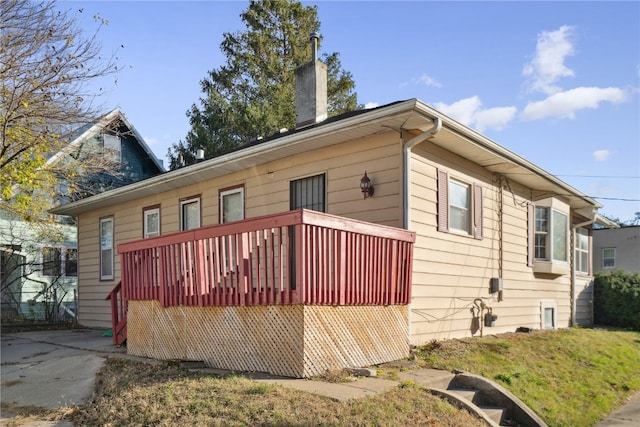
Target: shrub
[617, 299]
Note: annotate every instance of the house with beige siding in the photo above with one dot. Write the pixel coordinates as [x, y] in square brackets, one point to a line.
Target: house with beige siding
[276, 256]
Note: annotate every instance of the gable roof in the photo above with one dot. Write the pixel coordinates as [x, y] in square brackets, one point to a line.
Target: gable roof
[409, 116]
[87, 131]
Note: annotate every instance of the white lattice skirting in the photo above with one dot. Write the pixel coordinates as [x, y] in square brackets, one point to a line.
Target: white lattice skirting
[294, 340]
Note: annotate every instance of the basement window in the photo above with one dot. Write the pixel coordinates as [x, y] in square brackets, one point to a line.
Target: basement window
[548, 314]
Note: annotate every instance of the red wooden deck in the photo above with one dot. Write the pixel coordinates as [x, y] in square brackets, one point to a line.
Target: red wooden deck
[295, 257]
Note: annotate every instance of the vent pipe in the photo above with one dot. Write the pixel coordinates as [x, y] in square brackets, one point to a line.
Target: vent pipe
[315, 37]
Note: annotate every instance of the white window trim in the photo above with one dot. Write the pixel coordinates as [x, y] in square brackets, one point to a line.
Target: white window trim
[146, 214]
[550, 265]
[579, 251]
[187, 202]
[545, 304]
[231, 191]
[111, 260]
[614, 258]
[468, 208]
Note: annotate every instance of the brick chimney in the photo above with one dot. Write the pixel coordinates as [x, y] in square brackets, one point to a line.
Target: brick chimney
[311, 89]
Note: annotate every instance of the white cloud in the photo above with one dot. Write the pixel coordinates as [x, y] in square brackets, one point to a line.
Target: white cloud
[565, 104]
[463, 111]
[428, 81]
[469, 111]
[547, 65]
[601, 155]
[494, 118]
[371, 105]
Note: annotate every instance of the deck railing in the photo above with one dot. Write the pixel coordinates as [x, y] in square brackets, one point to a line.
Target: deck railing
[118, 314]
[295, 257]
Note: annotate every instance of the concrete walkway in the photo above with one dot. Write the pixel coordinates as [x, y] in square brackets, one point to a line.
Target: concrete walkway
[628, 415]
[53, 369]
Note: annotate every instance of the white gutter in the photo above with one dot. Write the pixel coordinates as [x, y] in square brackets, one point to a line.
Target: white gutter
[406, 165]
[406, 183]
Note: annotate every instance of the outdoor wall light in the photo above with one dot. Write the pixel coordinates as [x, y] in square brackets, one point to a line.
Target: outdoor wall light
[365, 186]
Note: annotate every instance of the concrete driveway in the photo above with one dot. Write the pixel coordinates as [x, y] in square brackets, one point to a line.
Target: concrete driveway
[52, 369]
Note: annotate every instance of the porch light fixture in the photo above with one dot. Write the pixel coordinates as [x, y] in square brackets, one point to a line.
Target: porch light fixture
[365, 186]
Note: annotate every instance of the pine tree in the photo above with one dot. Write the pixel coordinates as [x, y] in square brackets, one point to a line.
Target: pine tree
[252, 95]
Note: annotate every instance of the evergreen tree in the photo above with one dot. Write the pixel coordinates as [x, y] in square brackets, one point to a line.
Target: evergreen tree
[252, 95]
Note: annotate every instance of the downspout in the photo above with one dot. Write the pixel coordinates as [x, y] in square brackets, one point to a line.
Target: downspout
[406, 166]
[406, 184]
[574, 229]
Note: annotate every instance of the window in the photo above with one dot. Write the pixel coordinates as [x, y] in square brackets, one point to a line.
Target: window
[548, 314]
[459, 206]
[51, 262]
[71, 262]
[151, 219]
[542, 233]
[551, 229]
[190, 213]
[106, 248]
[59, 261]
[112, 147]
[608, 257]
[308, 193]
[548, 237]
[12, 274]
[560, 223]
[232, 205]
[582, 251]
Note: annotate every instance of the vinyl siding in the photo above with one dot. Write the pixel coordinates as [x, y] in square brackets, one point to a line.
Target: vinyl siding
[451, 270]
[266, 191]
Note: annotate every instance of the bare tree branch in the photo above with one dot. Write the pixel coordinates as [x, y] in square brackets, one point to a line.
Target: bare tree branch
[46, 65]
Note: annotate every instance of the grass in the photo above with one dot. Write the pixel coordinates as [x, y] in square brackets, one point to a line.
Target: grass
[138, 394]
[570, 377]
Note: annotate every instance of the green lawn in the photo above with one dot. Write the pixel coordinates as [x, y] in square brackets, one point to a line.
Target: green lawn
[570, 377]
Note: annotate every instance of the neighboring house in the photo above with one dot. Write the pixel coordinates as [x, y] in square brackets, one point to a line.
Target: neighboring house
[39, 271]
[493, 244]
[617, 249]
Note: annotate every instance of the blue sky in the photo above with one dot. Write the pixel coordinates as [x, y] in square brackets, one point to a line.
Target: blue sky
[556, 82]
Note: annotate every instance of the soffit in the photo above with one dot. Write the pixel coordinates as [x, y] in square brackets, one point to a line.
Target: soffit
[509, 165]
